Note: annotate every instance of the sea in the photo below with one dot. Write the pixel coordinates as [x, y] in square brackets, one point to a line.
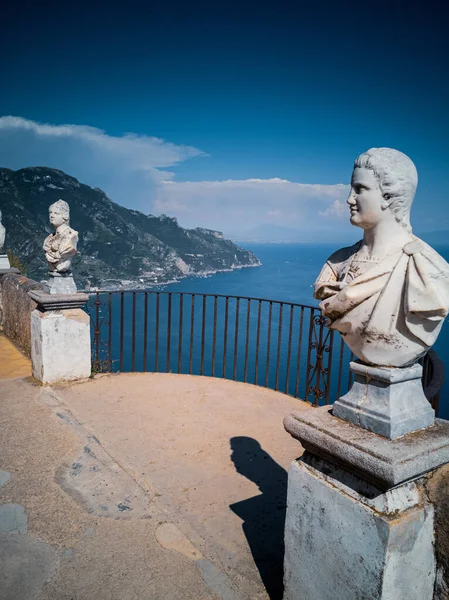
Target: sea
[287, 275]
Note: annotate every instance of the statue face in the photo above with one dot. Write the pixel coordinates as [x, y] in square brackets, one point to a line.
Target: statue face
[56, 218]
[365, 199]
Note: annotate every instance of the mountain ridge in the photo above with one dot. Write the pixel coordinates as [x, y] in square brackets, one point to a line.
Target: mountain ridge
[118, 247]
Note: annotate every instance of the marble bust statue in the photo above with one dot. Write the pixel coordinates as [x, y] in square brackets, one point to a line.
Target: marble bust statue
[2, 233]
[388, 294]
[60, 247]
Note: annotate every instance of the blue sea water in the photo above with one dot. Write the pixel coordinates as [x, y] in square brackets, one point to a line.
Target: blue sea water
[287, 275]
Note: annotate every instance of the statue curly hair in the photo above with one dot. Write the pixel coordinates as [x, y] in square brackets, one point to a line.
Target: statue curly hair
[397, 177]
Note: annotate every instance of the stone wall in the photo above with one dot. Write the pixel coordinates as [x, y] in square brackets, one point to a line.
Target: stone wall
[16, 307]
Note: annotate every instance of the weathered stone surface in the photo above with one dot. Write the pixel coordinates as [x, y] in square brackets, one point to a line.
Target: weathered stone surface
[61, 283]
[17, 307]
[47, 301]
[98, 483]
[338, 544]
[386, 400]
[4, 477]
[60, 349]
[171, 537]
[26, 565]
[13, 518]
[437, 486]
[385, 462]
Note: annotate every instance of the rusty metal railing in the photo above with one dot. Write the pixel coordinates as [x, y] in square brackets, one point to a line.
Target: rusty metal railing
[284, 346]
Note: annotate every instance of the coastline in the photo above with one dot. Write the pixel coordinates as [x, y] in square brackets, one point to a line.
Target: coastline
[126, 285]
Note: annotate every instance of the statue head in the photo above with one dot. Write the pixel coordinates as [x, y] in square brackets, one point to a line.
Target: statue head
[397, 180]
[59, 213]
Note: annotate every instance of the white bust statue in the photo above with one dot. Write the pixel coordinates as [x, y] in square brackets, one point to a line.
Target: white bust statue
[60, 247]
[2, 233]
[388, 294]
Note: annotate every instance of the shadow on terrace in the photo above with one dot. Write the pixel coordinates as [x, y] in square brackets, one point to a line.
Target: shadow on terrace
[263, 515]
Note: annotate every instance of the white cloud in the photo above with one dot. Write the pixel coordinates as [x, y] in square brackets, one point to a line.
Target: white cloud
[127, 167]
[132, 170]
[238, 206]
[337, 209]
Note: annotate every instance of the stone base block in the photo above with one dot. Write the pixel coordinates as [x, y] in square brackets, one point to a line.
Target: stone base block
[10, 271]
[345, 539]
[4, 262]
[46, 301]
[61, 283]
[60, 345]
[387, 401]
[385, 463]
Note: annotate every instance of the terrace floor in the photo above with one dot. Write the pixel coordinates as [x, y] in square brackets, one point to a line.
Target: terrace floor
[142, 486]
[12, 362]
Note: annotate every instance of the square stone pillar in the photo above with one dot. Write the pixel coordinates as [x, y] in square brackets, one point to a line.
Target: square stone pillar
[60, 337]
[360, 521]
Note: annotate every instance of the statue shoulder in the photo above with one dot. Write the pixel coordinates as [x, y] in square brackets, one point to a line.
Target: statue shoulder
[342, 255]
[70, 233]
[418, 246]
[49, 238]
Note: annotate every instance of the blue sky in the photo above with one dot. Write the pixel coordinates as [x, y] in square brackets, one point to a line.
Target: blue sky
[261, 108]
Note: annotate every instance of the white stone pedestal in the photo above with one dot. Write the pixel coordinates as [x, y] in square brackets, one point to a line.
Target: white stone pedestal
[388, 401]
[60, 338]
[359, 523]
[346, 540]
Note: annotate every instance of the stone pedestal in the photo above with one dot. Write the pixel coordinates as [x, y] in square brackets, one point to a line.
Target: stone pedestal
[359, 522]
[60, 337]
[344, 539]
[4, 262]
[61, 283]
[387, 401]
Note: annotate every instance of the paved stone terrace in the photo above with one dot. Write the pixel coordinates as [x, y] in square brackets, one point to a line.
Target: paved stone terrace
[142, 486]
[12, 362]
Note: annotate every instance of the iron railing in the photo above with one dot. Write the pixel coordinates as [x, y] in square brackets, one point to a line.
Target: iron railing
[284, 346]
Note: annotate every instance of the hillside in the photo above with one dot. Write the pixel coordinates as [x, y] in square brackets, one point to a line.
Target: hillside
[118, 247]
